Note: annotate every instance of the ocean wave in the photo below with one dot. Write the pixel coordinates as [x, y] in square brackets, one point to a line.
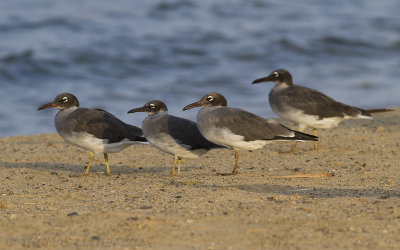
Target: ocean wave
[21, 67]
[395, 46]
[342, 41]
[172, 5]
[25, 55]
[16, 25]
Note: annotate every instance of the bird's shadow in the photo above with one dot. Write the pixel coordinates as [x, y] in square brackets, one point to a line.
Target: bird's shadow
[319, 192]
[80, 169]
[312, 192]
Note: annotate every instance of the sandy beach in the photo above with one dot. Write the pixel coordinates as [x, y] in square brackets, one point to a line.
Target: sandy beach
[45, 202]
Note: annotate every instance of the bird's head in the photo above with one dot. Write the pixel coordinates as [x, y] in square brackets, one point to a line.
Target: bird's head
[62, 101]
[151, 107]
[211, 99]
[279, 76]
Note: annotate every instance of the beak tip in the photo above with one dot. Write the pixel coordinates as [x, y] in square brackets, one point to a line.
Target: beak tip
[259, 80]
[135, 110]
[193, 105]
[187, 107]
[46, 106]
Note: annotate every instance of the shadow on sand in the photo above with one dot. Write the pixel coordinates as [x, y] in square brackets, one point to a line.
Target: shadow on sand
[80, 169]
[312, 192]
[320, 192]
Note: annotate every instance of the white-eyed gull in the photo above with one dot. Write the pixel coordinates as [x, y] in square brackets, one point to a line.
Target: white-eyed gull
[92, 129]
[308, 107]
[174, 135]
[237, 128]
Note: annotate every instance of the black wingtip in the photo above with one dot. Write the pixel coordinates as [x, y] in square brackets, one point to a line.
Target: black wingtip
[141, 139]
[304, 137]
[371, 111]
[298, 136]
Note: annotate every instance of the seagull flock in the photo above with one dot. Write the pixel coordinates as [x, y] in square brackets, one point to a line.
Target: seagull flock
[218, 126]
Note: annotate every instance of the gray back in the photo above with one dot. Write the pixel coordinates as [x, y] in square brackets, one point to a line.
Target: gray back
[311, 101]
[241, 122]
[183, 131]
[98, 123]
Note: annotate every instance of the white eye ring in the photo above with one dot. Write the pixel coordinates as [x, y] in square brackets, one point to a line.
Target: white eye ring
[152, 105]
[276, 74]
[65, 99]
[210, 98]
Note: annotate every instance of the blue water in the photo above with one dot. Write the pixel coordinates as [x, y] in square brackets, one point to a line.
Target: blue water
[117, 55]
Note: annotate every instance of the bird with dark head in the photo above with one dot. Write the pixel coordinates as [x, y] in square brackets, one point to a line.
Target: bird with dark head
[62, 101]
[152, 107]
[308, 107]
[212, 99]
[92, 129]
[238, 129]
[279, 76]
[174, 135]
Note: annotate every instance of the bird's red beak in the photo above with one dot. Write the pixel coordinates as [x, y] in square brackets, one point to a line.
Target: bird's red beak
[263, 79]
[48, 105]
[193, 105]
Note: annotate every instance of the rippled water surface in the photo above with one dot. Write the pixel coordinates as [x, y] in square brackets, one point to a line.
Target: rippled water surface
[117, 55]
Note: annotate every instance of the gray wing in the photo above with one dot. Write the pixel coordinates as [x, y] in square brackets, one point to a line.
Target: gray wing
[313, 102]
[102, 125]
[186, 132]
[246, 124]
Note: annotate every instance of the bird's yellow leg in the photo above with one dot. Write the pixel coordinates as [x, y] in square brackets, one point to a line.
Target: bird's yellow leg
[173, 168]
[316, 142]
[108, 167]
[90, 162]
[293, 149]
[179, 166]
[235, 171]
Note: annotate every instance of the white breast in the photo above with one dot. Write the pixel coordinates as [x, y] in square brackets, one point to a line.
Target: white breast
[225, 137]
[89, 142]
[313, 121]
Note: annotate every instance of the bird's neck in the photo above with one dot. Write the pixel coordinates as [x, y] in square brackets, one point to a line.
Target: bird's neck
[66, 111]
[281, 85]
[159, 113]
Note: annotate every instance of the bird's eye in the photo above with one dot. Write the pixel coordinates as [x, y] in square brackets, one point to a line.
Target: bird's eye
[210, 98]
[65, 99]
[151, 105]
[276, 74]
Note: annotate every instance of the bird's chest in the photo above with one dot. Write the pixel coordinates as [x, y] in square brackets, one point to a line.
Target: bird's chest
[156, 130]
[278, 100]
[211, 127]
[155, 126]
